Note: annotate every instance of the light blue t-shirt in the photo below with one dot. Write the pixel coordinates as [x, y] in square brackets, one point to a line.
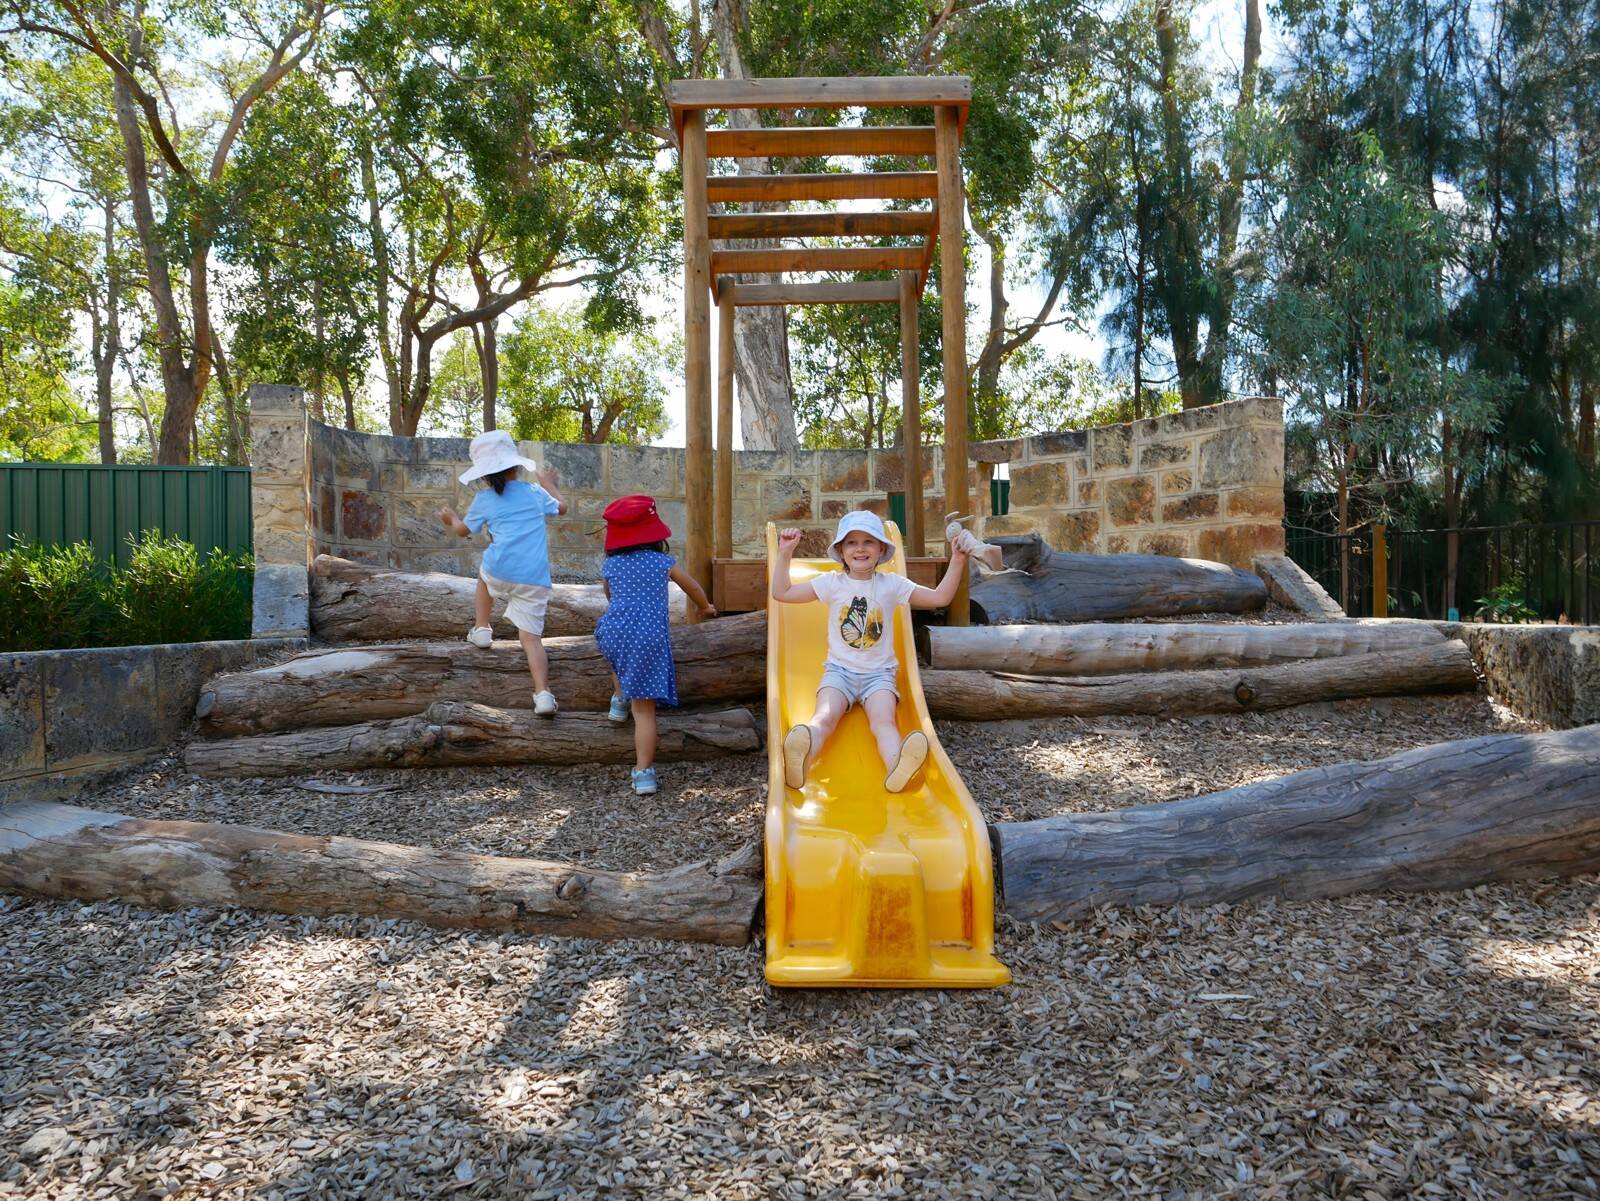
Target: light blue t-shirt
[519, 552]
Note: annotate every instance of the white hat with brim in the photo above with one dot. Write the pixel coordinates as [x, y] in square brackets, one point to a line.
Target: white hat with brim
[867, 523]
[491, 452]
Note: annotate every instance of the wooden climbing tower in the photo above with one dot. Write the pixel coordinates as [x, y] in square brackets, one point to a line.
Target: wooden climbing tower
[711, 269]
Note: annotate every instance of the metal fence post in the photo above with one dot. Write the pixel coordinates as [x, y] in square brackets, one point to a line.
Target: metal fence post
[1380, 570]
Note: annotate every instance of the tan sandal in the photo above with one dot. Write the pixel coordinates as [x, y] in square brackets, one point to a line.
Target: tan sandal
[796, 750]
[913, 754]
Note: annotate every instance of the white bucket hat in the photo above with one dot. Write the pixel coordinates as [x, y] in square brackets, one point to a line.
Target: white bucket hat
[491, 452]
[867, 523]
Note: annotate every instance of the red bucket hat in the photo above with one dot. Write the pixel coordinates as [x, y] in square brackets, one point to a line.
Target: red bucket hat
[632, 521]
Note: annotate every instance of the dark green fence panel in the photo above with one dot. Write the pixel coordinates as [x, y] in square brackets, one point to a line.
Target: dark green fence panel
[60, 503]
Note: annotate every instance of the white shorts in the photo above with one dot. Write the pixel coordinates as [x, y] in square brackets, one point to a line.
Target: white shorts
[857, 686]
[525, 603]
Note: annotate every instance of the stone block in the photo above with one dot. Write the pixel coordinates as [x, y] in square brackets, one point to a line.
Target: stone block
[1116, 544]
[372, 556]
[278, 453]
[1111, 447]
[889, 468]
[101, 703]
[572, 533]
[1167, 543]
[578, 463]
[281, 600]
[1088, 492]
[933, 511]
[282, 546]
[834, 509]
[1176, 481]
[787, 498]
[450, 562]
[1190, 508]
[413, 522]
[1236, 545]
[327, 511]
[814, 541]
[581, 566]
[1011, 523]
[1164, 454]
[22, 722]
[1063, 442]
[277, 398]
[321, 461]
[363, 517]
[1241, 456]
[455, 453]
[184, 668]
[1039, 485]
[1073, 531]
[674, 512]
[356, 458]
[439, 478]
[843, 470]
[1256, 502]
[999, 450]
[656, 470]
[759, 462]
[1131, 501]
[1254, 410]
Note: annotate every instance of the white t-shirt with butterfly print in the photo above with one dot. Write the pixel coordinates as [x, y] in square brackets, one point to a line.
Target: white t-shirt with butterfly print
[861, 617]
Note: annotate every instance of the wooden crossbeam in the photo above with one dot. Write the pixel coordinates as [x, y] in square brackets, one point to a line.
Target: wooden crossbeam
[875, 292]
[816, 258]
[822, 225]
[864, 91]
[867, 185]
[808, 142]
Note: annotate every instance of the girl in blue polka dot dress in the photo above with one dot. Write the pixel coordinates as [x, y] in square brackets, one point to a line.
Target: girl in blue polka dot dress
[632, 632]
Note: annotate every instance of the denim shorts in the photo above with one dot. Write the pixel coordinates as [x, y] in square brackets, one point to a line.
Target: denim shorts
[857, 686]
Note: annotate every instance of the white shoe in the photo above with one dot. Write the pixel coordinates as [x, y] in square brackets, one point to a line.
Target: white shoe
[796, 749]
[481, 636]
[544, 704]
[913, 754]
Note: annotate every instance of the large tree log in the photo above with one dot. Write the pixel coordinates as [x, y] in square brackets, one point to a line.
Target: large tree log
[717, 661]
[991, 696]
[351, 602]
[1053, 585]
[453, 733]
[53, 850]
[1100, 648]
[1454, 815]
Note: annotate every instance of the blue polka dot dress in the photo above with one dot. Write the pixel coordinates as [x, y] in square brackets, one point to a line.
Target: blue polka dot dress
[632, 632]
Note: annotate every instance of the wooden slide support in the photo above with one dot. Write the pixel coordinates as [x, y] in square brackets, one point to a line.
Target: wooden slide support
[1453, 815]
[992, 696]
[720, 661]
[54, 850]
[1103, 648]
[452, 734]
[351, 602]
[1053, 585]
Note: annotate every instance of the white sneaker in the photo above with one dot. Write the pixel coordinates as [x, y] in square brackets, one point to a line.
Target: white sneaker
[481, 636]
[913, 754]
[544, 703]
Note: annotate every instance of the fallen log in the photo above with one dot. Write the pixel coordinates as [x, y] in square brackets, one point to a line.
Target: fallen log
[1100, 648]
[351, 602]
[992, 696]
[1052, 585]
[452, 733]
[717, 661]
[54, 850]
[1453, 815]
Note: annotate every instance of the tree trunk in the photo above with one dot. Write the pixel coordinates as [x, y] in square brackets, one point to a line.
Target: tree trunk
[108, 342]
[489, 370]
[454, 734]
[994, 696]
[1057, 586]
[1105, 649]
[717, 661]
[354, 603]
[1453, 815]
[53, 850]
[760, 332]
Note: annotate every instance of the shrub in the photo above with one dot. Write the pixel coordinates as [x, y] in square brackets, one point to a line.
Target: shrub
[1505, 604]
[62, 596]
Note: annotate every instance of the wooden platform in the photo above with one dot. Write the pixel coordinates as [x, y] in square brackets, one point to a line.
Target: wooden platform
[740, 585]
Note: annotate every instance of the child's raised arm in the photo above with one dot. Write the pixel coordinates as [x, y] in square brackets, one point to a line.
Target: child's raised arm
[548, 478]
[938, 598]
[447, 517]
[690, 585]
[782, 589]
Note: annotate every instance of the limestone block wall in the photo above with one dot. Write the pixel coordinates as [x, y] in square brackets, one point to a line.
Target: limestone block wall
[1206, 483]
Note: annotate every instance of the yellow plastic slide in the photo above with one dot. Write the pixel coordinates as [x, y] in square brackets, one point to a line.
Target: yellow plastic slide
[867, 888]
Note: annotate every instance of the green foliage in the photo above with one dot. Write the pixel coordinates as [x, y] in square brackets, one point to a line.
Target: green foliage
[63, 596]
[564, 380]
[1505, 603]
[39, 417]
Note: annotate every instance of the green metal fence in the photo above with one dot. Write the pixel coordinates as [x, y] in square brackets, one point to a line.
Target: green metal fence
[60, 503]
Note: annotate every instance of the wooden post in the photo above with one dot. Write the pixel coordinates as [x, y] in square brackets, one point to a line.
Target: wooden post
[724, 501]
[911, 418]
[952, 299]
[1380, 569]
[696, 352]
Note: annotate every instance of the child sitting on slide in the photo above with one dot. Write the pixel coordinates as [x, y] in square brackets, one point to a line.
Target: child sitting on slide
[516, 565]
[861, 665]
